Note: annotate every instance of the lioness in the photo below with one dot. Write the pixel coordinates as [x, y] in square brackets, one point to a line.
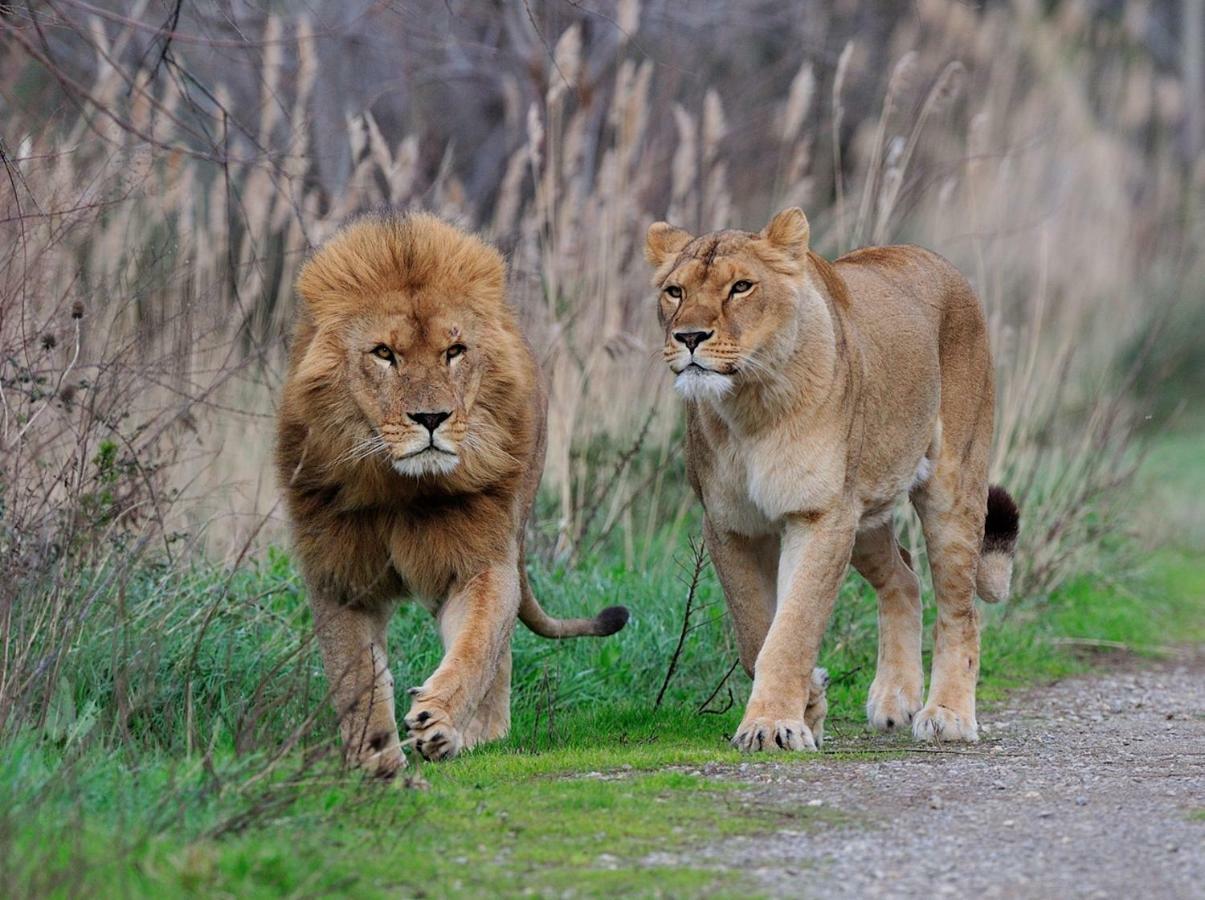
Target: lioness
[816, 395]
[410, 444]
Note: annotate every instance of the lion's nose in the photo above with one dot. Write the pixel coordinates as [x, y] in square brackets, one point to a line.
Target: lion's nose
[429, 420]
[692, 339]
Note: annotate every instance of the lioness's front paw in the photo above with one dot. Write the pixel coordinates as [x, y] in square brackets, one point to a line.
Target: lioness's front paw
[941, 723]
[432, 731]
[892, 704]
[817, 708]
[762, 733]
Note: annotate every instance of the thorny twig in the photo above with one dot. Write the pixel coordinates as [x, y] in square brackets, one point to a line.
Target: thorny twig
[698, 564]
[703, 710]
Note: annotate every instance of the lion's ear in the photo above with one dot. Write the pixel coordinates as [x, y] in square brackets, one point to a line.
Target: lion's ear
[322, 360]
[664, 241]
[789, 231]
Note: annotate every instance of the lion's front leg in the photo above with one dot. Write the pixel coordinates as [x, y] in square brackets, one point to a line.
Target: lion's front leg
[352, 641]
[786, 696]
[491, 722]
[475, 624]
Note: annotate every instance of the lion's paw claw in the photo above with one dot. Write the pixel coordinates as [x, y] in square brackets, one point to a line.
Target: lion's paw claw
[434, 735]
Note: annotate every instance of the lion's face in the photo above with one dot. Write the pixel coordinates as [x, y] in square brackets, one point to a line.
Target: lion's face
[415, 380]
[728, 301]
[412, 347]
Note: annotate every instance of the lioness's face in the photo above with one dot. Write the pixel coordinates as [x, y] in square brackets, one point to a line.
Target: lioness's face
[727, 302]
[415, 379]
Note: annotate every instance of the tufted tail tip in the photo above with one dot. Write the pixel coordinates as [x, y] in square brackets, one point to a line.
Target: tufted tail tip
[993, 581]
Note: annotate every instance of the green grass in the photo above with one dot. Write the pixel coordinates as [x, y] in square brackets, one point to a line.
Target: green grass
[152, 776]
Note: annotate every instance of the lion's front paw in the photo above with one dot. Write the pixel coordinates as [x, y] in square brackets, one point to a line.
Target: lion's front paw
[432, 731]
[766, 734]
[380, 756]
[892, 704]
[941, 723]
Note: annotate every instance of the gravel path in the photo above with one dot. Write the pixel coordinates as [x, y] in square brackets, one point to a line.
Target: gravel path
[1092, 787]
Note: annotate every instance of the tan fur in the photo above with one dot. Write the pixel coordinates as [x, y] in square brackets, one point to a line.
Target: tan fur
[817, 394]
[406, 317]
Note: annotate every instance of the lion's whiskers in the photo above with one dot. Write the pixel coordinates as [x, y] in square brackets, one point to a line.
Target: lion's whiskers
[363, 449]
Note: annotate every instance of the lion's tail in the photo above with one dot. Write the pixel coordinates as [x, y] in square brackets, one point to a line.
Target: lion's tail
[994, 578]
[608, 621]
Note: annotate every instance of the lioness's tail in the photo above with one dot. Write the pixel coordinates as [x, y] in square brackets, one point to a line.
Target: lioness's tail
[609, 621]
[995, 573]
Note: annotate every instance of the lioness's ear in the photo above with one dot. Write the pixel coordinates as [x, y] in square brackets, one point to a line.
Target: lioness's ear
[664, 241]
[789, 230]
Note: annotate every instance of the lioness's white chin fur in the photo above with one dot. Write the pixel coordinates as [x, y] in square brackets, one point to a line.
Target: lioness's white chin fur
[429, 462]
[696, 384]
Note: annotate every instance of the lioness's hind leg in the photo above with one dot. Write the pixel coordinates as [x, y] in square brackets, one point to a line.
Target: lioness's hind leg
[897, 692]
[952, 506]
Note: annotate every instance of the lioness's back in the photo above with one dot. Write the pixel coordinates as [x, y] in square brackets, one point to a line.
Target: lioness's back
[907, 299]
[907, 276]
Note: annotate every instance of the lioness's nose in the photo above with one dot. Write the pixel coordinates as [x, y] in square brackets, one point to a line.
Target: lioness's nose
[429, 421]
[692, 339]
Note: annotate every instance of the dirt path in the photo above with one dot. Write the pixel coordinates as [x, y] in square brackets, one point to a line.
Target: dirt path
[1093, 787]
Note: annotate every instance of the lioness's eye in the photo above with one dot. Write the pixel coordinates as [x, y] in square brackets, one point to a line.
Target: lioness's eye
[674, 291]
[455, 350]
[742, 287]
[380, 351]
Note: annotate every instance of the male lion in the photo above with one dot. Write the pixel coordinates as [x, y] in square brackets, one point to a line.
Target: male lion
[817, 394]
[410, 445]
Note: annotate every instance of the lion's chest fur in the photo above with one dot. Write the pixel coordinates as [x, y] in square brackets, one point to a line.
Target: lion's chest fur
[433, 544]
[371, 547]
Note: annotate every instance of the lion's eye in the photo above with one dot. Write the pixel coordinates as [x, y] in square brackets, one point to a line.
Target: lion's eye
[380, 351]
[741, 287]
[455, 350]
[674, 291]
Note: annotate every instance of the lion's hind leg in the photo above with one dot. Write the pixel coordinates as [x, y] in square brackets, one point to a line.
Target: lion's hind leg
[897, 692]
[491, 721]
[352, 641]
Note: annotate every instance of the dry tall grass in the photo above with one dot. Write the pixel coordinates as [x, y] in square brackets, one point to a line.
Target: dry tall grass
[156, 213]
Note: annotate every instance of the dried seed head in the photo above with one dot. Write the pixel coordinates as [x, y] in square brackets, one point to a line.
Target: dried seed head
[49, 341]
[77, 309]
